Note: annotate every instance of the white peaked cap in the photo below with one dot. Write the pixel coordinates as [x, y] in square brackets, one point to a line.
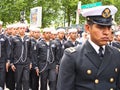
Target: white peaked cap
[46, 30]
[54, 32]
[97, 11]
[72, 30]
[117, 33]
[9, 26]
[34, 29]
[15, 25]
[61, 30]
[22, 25]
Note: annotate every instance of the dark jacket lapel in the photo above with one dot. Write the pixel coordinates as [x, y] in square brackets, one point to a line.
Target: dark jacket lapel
[92, 54]
[106, 60]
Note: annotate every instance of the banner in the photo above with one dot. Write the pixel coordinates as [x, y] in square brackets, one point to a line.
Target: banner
[36, 16]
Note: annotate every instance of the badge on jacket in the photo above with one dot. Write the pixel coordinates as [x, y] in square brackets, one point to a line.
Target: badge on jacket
[71, 49]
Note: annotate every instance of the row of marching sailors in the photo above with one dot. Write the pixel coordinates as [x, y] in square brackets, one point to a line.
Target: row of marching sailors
[26, 58]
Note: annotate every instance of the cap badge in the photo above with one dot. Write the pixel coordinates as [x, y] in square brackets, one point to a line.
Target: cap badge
[106, 13]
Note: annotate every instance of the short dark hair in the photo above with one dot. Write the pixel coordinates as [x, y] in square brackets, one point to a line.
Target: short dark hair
[89, 22]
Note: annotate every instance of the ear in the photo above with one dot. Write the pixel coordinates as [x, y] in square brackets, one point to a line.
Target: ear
[87, 28]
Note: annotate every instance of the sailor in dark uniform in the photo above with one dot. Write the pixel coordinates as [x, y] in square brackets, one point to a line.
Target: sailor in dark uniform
[10, 81]
[112, 42]
[21, 58]
[59, 41]
[5, 51]
[46, 60]
[95, 65]
[71, 42]
[34, 78]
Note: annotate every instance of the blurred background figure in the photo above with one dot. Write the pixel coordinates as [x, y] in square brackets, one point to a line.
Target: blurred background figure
[53, 34]
[72, 42]
[115, 39]
[46, 61]
[34, 78]
[83, 38]
[1, 26]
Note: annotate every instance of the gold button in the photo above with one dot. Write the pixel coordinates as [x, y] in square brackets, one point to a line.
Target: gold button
[96, 81]
[89, 72]
[111, 89]
[111, 80]
[116, 69]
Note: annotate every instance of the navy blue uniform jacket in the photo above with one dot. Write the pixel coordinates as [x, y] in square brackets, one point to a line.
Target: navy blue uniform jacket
[82, 69]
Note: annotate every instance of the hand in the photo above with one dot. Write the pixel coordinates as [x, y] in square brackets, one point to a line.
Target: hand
[37, 71]
[57, 68]
[13, 68]
[7, 66]
[30, 66]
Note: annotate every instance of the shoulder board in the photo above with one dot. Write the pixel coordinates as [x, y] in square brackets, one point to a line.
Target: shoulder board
[71, 49]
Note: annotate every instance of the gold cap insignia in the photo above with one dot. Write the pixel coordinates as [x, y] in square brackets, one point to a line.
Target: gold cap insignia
[106, 13]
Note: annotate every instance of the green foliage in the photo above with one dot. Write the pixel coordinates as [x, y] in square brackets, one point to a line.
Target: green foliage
[69, 8]
[59, 11]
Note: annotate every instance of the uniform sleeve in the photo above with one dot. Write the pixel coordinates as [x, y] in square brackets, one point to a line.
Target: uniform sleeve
[37, 55]
[66, 76]
[8, 48]
[57, 53]
[31, 51]
[34, 56]
[12, 50]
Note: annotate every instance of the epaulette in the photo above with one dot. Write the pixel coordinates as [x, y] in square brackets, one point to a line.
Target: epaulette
[71, 49]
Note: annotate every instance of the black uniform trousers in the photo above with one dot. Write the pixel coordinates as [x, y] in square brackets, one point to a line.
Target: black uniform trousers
[10, 81]
[2, 74]
[22, 76]
[34, 79]
[48, 75]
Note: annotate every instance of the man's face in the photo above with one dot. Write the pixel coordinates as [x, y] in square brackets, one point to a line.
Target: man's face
[15, 31]
[31, 33]
[37, 34]
[61, 35]
[118, 38]
[99, 34]
[53, 36]
[73, 35]
[9, 31]
[0, 27]
[47, 35]
[22, 30]
[111, 36]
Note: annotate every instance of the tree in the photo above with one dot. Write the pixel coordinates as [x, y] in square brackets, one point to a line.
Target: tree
[69, 8]
[10, 10]
[50, 11]
[58, 11]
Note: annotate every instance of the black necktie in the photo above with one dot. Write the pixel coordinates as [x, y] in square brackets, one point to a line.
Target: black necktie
[110, 44]
[101, 52]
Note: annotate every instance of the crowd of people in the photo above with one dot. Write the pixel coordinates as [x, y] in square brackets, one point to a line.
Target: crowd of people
[32, 56]
[30, 59]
